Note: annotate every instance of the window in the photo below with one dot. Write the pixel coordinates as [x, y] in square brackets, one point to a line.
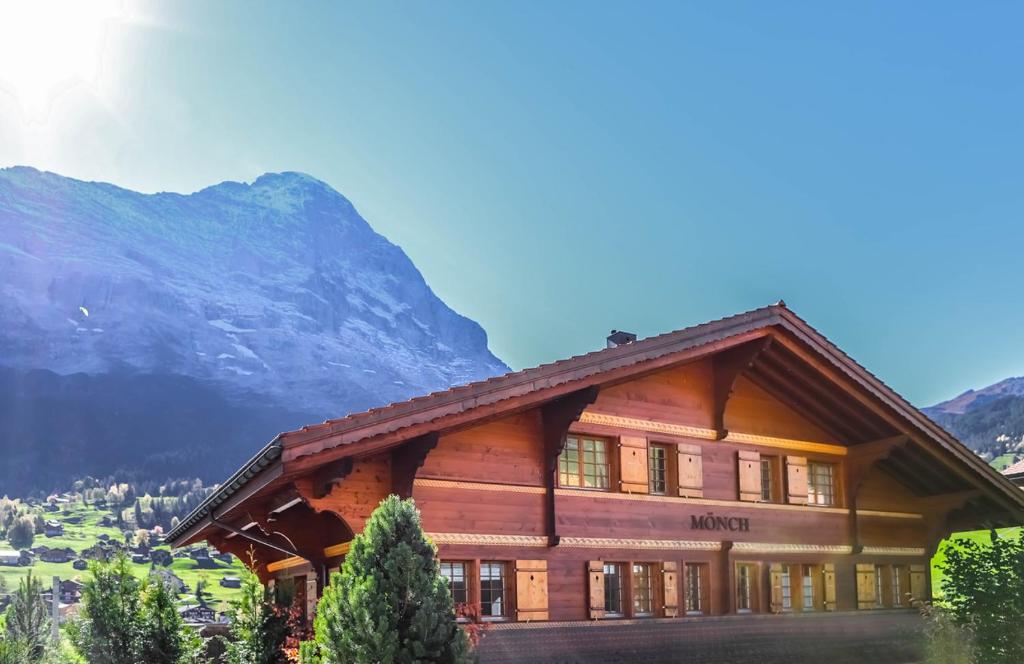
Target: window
[787, 589]
[879, 587]
[492, 590]
[744, 588]
[612, 589]
[768, 479]
[657, 459]
[821, 483]
[456, 575]
[643, 597]
[898, 572]
[584, 463]
[808, 588]
[694, 588]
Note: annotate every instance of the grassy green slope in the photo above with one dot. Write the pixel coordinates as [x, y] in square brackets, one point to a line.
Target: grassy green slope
[85, 534]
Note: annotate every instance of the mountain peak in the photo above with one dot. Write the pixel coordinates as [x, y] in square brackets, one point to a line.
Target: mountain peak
[960, 404]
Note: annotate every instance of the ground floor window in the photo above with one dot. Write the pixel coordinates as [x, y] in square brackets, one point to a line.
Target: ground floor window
[455, 573]
[493, 590]
[899, 585]
[613, 590]
[807, 586]
[643, 595]
[745, 587]
[696, 585]
[787, 589]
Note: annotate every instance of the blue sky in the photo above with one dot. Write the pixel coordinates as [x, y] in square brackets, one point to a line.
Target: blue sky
[559, 171]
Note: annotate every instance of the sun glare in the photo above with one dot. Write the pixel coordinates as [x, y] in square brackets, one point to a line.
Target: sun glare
[50, 46]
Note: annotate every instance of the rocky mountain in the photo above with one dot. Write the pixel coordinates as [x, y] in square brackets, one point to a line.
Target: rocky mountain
[989, 420]
[174, 334]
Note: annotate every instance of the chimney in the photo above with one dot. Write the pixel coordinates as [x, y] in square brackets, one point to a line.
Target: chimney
[619, 338]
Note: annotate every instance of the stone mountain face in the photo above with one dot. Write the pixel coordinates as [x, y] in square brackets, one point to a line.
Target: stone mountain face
[133, 327]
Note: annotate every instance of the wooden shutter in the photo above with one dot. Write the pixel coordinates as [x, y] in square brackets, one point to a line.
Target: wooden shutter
[595, 578]
[670, 587]
[829, 574]
[691, 471]
[775, 581]
[749, 469]
[796, 479]
[918, 583]
[633, 464]
[867, 597]
[531, 590]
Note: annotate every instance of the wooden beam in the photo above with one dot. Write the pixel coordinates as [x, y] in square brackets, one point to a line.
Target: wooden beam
[330, 474]
[556, 417]
[801, 404]
[940, 515]
[726, 368]
[860, 460]
[784, 364]
[407, 459]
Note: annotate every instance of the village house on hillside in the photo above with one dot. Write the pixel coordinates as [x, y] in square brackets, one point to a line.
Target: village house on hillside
[197, 614]
[1015, 473]
[53, 529]
[742, 466]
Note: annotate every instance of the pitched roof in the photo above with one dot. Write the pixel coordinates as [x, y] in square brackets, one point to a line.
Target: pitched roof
[1014, 469]
[392, 424]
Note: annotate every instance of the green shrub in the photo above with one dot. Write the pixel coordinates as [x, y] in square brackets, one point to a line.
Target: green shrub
[124, 621]
[390, 602]
[984, 593]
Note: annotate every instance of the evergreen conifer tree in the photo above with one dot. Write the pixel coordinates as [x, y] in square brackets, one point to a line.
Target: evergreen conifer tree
[389, 604]
[165, 637]
[28, 621]
[110, 630]
[258, 628]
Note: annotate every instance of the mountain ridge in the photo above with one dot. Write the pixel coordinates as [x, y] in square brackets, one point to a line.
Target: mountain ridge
[275, 294]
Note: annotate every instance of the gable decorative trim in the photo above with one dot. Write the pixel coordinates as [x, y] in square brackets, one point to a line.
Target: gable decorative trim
[785, 443]
[647, 425]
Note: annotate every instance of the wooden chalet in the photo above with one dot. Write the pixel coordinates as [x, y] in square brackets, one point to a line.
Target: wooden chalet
[746, 465]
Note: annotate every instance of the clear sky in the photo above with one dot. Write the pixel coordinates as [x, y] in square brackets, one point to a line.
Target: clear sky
[557, 170]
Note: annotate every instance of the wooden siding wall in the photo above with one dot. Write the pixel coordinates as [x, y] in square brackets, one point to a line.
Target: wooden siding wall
[507, 450]
[504, 459]
[752, 410]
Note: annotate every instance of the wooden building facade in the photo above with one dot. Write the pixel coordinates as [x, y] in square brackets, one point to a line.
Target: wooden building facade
[746, 465]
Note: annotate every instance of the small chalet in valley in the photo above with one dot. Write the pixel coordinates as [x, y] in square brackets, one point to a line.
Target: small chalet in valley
[746, 465]
[197, 614]
[1015, 473]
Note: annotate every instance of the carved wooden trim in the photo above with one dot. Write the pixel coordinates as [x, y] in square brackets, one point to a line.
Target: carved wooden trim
[772, 547]
[726, 368]
[477, 539]
[407, 459]
[893, 551]
[477, 486]
[332, 551]
[608, 495]
[622, 543]
[890, 515]
[330, 474]
[786, 443]
[649, 426]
